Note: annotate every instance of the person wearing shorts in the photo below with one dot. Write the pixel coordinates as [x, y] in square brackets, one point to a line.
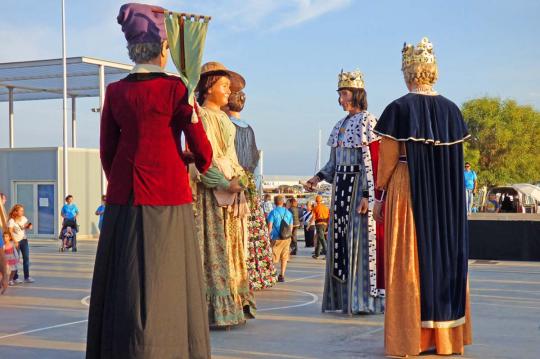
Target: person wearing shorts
[280, 246]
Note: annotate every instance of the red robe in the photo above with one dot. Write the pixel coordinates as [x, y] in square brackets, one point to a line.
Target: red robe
[374, 151]
[143, 118]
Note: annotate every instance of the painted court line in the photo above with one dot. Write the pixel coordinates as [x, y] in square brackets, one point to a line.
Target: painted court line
[42, 329]
[314, 299]
[86, 301]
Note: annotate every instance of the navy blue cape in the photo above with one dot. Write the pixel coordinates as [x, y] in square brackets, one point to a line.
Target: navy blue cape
[433, 129]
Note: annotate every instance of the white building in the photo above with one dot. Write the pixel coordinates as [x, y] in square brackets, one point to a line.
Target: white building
[33, 177]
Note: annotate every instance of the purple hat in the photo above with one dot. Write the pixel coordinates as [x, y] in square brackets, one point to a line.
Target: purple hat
[141, 24]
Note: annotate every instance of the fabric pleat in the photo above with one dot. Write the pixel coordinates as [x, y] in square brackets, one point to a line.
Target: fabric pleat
[147, 297]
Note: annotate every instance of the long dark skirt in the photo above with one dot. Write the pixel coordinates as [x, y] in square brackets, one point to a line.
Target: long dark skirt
[309, 236]
[147, 293]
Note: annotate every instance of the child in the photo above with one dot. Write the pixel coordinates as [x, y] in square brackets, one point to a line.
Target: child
[3, 267]
[68, 237]
[492, 205]
[12, 257]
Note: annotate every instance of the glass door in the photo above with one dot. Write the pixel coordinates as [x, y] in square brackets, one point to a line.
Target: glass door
[38, 199]
[45, 203]
[24, 194]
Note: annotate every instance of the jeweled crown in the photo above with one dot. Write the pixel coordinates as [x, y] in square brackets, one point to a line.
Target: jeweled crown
[422, 53]
[353, 79]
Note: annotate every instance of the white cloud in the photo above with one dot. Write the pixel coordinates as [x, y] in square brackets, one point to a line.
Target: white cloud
[246, 15]
[310, 9]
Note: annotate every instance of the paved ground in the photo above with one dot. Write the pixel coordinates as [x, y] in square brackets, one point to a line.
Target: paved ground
[48, 318]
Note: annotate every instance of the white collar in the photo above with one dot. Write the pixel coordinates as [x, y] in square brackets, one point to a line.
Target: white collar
[239, 122]
[145, 69]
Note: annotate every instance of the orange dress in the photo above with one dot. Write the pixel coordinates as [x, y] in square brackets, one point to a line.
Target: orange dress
[403, 331]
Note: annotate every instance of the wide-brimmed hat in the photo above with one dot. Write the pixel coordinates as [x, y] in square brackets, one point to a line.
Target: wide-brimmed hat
[216, 68]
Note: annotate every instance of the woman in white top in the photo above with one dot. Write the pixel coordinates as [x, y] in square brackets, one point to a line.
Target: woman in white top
[17, 225]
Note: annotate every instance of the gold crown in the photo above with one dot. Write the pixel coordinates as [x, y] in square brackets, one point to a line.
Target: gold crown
[422, 53]
[353, 79]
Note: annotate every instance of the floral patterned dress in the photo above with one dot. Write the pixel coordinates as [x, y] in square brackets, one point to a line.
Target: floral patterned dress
[222, 232]
[261, 270]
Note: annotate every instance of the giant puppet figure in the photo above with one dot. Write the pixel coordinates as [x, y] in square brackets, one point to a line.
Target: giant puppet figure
[262, 273]
[147, 297]
[421, 169]
[221, 208]
[354, 280]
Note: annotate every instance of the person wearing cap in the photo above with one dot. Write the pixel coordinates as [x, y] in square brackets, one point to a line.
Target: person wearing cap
[261, 268]
[147, 298]
[221, 206]
[321, 215]
[354, 282]
[426, 252]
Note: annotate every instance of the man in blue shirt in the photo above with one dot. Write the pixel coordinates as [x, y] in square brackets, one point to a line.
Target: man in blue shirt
[470, 186]
[280, 246]
[100, 211]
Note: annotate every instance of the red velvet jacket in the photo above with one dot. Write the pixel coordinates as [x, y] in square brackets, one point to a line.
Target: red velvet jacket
[142, 120]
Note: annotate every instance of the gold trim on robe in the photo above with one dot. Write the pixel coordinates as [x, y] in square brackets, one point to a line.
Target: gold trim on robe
[403, 330]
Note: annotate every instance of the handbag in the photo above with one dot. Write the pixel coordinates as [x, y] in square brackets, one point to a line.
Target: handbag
[224, 198]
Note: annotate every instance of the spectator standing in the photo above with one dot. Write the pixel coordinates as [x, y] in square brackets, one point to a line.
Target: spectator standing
[470, 186]
[280, 246]
[295, 211]
[309, 225]
[492, 205]
[70, 211]
[17, 226]
[3, 267]
[268, 206]
[100, 211]
[321, 214]
[11, 258]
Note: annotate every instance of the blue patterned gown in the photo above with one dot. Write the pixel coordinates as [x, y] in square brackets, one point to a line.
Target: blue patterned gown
[350, 266]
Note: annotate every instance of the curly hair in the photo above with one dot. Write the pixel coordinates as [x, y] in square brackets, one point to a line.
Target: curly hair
[14, 209]
[421, 74]
[237, 100]
[142, 53]
[206, 82]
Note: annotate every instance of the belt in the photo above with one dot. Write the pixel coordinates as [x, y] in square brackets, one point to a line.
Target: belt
[322, 221]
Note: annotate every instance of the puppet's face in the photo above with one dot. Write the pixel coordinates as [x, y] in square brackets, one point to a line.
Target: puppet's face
[164, 54]
[219, 92]
[346, 100]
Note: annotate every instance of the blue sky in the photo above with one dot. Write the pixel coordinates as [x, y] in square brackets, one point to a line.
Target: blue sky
[290, 52]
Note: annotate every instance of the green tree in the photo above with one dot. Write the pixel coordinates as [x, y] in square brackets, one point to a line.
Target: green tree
[504, 147]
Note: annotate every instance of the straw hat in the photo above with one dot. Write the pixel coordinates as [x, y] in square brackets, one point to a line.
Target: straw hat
[211, 68]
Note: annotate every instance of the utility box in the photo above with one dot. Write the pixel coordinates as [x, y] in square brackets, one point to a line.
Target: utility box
[33, 177]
